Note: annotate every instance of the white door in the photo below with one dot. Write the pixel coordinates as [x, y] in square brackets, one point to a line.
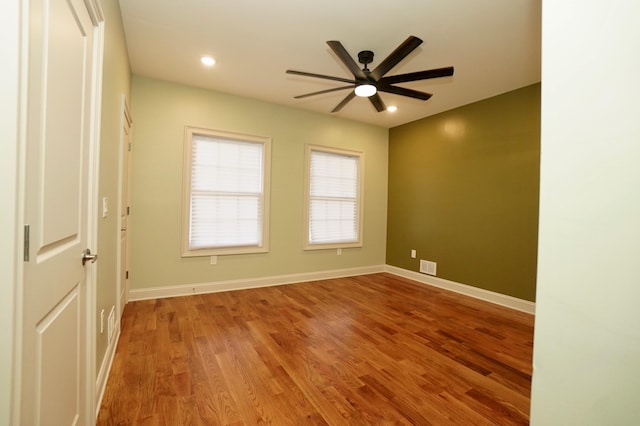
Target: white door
[125, 172]
[56, 330]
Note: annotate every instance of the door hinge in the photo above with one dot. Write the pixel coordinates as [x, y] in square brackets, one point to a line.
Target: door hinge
[128, 210]
[126, 275]
[129, 147]
[26, 243]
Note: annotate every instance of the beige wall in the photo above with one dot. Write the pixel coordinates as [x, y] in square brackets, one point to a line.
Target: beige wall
[586, 358]
[161, 110]
[116, 83]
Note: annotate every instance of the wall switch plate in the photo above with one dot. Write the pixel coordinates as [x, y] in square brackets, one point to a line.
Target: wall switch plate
[413, 254]
[427, 267]
[105, 207]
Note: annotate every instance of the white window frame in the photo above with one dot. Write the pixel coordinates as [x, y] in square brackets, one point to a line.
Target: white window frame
[308, 245]
[263, 247]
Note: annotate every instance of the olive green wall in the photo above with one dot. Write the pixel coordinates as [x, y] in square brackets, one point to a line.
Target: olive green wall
[116, 79]
[463, 192]
[160, 112]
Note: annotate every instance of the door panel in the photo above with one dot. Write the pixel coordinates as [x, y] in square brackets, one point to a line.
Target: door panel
[125, 172]
[55, 378]
[59, 339]
[64, 84]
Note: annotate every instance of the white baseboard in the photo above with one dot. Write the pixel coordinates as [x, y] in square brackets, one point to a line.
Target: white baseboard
[241, 284]
[214, 287]
[105, 368]
[475, 292]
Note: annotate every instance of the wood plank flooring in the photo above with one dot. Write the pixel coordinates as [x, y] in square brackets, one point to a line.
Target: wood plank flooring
[368, 350]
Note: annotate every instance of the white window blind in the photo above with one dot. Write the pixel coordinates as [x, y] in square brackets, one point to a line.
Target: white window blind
[227, 193]
[333, 197]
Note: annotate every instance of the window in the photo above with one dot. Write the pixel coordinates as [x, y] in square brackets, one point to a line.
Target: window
[226, 197]
[333, 198]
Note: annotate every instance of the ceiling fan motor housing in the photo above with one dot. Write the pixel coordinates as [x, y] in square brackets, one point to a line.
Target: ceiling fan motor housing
[365, 57]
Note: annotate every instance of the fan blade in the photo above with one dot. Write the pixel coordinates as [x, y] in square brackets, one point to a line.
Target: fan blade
[376, 100]
[335, 89]
[326, 77]
[419, 75]
[345, 101]
[346, 59]
[396, 56]
[405, 92]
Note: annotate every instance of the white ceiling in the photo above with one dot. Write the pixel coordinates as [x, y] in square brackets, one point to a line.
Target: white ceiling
[494, 46]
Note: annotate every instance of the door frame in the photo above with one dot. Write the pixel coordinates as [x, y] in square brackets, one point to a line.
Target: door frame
[11, 214]
[97, 17]
[125, 120]
[17, 203]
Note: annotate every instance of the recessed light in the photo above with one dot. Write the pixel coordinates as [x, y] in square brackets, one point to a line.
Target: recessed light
[392, 108]
[207, 60]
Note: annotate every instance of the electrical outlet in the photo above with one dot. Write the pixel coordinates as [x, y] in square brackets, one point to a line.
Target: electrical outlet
[213, 260]
[339, 252]
[413, 254]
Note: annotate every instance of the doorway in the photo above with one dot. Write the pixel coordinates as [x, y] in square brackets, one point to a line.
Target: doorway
[126, 144]
[61, 103]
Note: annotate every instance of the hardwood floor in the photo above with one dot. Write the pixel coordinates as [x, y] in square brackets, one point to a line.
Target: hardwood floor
[375, 349]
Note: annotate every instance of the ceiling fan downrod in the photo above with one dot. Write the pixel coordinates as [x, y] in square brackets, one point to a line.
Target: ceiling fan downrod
[365, 57]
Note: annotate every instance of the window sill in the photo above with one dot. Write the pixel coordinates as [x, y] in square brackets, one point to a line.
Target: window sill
[224, 251]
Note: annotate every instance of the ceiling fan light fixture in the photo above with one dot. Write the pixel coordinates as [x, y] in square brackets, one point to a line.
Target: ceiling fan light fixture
[365, 90]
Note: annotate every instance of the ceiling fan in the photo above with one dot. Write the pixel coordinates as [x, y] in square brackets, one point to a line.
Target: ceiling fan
[367, 83]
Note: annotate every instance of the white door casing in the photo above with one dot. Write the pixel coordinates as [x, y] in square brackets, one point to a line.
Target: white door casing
[62, 92]
[126, 141]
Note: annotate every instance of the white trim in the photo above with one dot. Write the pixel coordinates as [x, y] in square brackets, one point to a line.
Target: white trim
[93, 208]
[95, 11]
[11, 184]
[242, 284]
[247, 283]
[475, 292]
[125, 140]
[217, 135]
[309, 148]
[105, 369]
[23, 72]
